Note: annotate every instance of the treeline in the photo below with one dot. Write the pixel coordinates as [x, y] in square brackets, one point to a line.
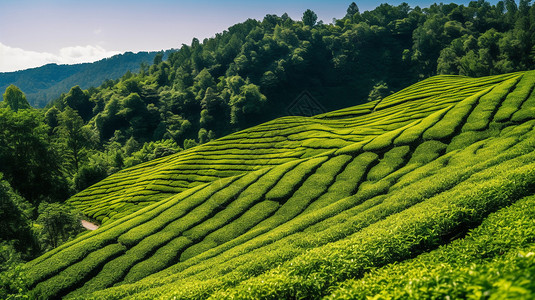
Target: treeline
[254, 71]
[249, 74]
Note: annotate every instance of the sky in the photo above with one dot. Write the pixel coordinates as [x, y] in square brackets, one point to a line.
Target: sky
[37, 32]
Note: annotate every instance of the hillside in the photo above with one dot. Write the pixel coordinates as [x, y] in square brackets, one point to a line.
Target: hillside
[255, 71]
[251, 73]
[273, 143]
[426, 193]
[44, 84]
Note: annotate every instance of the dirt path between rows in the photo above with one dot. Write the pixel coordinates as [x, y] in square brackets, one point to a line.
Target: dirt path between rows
[89, 226]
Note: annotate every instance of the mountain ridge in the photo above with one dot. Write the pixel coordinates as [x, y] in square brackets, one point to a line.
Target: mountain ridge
[44, 84]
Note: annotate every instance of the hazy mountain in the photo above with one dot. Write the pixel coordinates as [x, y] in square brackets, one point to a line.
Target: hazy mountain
[44, 84]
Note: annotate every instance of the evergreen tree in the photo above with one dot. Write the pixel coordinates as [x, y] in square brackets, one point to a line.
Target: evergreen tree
[309, 18]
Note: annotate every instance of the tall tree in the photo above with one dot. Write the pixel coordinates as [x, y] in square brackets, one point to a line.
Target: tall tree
[28, 159]
[309, 18]
[78, 100]
[15, 99]
[58, 224]
[74, 138]
[15, 225]
[351, 10]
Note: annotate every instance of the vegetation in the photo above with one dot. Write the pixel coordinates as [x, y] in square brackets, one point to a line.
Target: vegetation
[377, 208]
[255, 72]
[274, 143]
[196, 200]
[44, 84]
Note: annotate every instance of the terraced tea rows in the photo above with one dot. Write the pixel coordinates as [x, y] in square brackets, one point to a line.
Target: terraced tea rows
[410, 174]
[274, 143]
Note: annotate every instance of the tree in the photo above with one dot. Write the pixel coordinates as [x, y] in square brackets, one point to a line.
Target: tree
[448, 62]
[309, 18]
[158, 58]
[379, 91]
[189, 143]
[203, 136]
[202, 82]
[52, 117]
[88, 175]
[246, 105]
[58, 224]
[15, 222]
[15, 99]
[78, 100]
[28, 160]
[152, 150]
[352, 10]
[73, 137]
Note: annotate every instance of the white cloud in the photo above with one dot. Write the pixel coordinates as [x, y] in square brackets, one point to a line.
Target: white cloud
[84, 53]
[13, 59]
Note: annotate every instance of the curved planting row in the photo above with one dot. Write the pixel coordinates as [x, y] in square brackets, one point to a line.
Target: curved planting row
[273, 143]
[299, 228]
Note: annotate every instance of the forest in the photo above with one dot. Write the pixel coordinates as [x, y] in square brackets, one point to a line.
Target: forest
[249, 74]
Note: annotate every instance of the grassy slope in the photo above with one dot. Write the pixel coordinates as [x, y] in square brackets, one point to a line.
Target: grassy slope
[325, 206]
[273, 143]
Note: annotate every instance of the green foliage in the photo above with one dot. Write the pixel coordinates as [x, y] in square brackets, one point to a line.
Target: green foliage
[246, 104]
[189, 143]
[13, 279]
[29, 162]
[514, 100]
[295, 206]
[427, 152]
[43, 84]
[309, 18]
[57, 224]
[401, 118]
[324, 202]
[453, 119]
[492, 260]
[479, 119]
[88, 175]
[379, 91]
[73, 139]
[152, 150]
[15, 224]
[254, 71]
[77, 272]
[391, 161]
[14, 99]
[78, 100]
[291, 180]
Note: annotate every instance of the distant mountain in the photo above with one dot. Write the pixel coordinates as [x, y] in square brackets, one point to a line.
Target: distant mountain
[44, 84]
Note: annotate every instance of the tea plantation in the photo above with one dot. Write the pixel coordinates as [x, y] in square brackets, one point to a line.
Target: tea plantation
[428, 193]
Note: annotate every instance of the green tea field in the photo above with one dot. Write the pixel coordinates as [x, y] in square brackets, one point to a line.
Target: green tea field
[427, 193]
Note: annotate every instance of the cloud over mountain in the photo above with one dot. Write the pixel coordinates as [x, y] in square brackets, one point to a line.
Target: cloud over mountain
[13, 59]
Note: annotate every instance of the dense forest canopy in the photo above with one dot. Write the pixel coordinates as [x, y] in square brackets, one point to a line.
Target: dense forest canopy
[248, 74]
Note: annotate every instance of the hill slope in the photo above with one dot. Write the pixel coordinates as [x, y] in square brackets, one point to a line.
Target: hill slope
[273, 143]
[307, 207]
[44, 84]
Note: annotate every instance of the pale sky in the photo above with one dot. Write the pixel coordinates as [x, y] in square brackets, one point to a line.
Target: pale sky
[37, 32]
